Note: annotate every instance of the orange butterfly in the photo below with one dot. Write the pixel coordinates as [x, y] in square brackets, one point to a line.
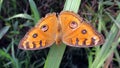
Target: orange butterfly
[68, 27]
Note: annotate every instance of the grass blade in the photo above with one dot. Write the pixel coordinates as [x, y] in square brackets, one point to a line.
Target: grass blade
[26, 16]
[1, 1]
[3, 31]
[106, 48]
[72, 5]
[56, 52]
[115, 21]
[34, 11]
[55, 56]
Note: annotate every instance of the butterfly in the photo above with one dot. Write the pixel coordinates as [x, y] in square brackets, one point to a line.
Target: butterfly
[67, 27]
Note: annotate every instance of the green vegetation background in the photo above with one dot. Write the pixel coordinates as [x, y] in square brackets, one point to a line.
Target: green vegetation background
[18, 16]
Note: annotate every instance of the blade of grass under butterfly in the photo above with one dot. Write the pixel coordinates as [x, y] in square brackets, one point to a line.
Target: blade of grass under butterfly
[56, 52]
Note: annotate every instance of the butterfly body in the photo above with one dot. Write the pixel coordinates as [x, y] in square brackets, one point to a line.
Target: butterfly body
[68, 28]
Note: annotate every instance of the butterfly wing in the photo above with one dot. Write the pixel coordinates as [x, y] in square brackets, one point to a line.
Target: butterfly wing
[42, 35]
[78, 33]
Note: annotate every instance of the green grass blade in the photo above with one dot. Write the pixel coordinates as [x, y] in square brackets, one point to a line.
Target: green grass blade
[55, 56]
[25, 16]
[115, 21]
[117, 57]
[73, 5]
[4, 54]
[16, 63]
[56, 52]
[3, 31]
[1, 1]
[34, 11]
[118, 3]
[106, 48]
[7, 56]
[114, 45]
